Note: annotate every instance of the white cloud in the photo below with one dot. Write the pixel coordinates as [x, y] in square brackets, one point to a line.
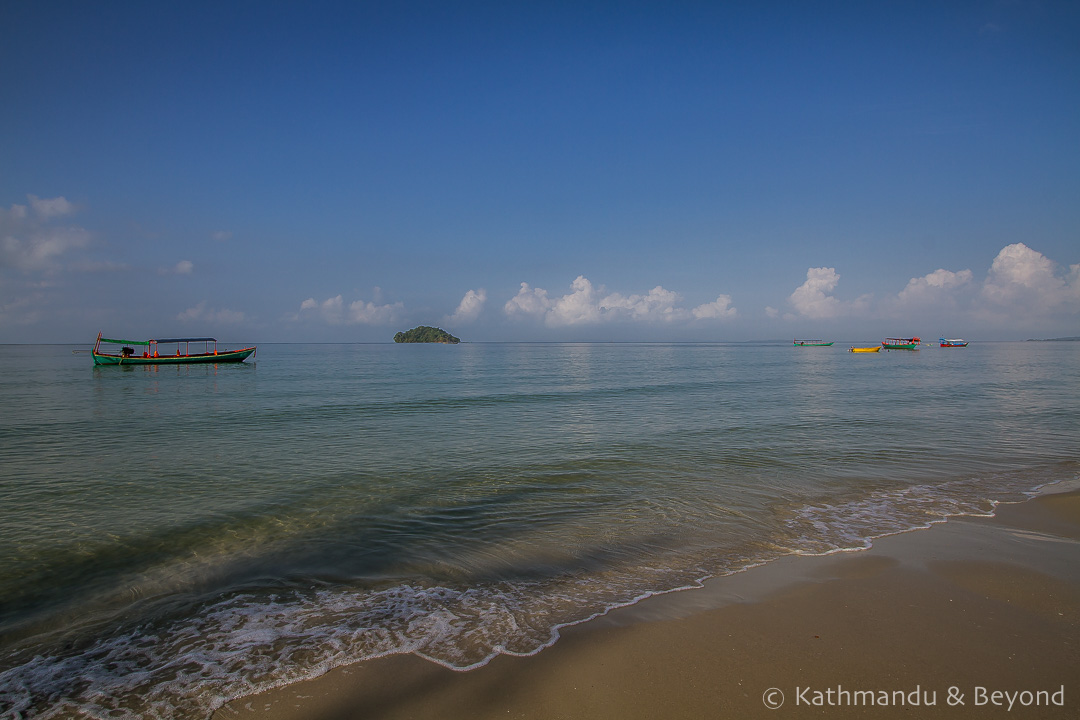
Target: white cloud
[368, 313]
[330, 310]
[218, 317]
[772, 312]
[184, 267]
[333, 312]
[46, 208]
[933, 288]
[470, 307]
[222, 235]
[1023, 289]
[578, 307]
[587, 304]
[1024, 280]
[37, 250]
[29, 243]
[528, 301]
[658, 305]
[719, 309]
[811, 299]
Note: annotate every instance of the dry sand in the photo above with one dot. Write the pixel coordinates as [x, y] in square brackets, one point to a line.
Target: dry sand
[973, 606]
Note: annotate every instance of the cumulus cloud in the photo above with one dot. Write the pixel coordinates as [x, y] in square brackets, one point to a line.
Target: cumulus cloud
[1025, 280]
[333, 311]
[933, 288]
[30, 242]
[368, 313]
[1022, 288]
[46, 208]
[587, 304]
[201, 314]
[528, 301]
[16, 213]
[470, 307]
[812, 299]
[579, 306]
[657, 305]
[719, 309]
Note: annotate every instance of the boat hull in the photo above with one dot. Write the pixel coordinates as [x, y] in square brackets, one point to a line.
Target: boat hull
[901, 343]
[867, 350]
[232, 356]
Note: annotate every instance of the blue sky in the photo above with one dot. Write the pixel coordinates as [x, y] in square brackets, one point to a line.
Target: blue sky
[539, 171]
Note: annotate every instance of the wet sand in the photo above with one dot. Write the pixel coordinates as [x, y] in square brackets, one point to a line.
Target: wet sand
[949, 615]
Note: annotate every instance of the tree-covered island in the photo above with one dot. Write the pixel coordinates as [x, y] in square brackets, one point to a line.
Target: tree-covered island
[425, 334]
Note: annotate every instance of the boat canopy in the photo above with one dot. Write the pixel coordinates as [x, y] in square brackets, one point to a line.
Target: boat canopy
[162, 340]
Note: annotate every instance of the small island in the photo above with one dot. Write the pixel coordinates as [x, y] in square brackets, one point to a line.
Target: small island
[425, 334]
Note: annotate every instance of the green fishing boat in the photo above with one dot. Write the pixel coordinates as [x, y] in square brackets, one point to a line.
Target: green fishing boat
[810, 343]
[161, 352]
[911, 343]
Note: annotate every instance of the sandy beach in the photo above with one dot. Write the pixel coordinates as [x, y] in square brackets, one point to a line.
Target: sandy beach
[976, 617]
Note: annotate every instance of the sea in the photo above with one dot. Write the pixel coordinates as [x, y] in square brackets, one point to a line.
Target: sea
[174, 537]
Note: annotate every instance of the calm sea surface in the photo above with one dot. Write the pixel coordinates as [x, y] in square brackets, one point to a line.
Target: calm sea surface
[174, 537]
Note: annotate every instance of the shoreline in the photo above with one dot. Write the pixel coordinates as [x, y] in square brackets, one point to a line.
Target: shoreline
[973, 606]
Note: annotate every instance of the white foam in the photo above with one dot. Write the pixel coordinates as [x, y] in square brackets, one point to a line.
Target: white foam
[248, 642]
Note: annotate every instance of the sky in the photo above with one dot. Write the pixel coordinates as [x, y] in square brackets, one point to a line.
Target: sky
[556, 171]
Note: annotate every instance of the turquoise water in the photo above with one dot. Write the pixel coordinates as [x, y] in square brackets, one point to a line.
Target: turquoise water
[174, 537]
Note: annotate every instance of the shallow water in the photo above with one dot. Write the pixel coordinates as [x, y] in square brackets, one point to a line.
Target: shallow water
[177, 536]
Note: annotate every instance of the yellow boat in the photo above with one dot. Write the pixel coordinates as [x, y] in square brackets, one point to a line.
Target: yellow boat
[876, 348]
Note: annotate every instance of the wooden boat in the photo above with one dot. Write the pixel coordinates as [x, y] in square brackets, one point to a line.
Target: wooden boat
[811, 343]
[955, 342]
[152, 352]
[911, 343]
[876, 348]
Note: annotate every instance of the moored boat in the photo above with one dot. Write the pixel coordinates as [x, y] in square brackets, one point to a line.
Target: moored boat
[911, 343]
[152, 352]
[954, 342]
[811, 343]
[876, 348]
